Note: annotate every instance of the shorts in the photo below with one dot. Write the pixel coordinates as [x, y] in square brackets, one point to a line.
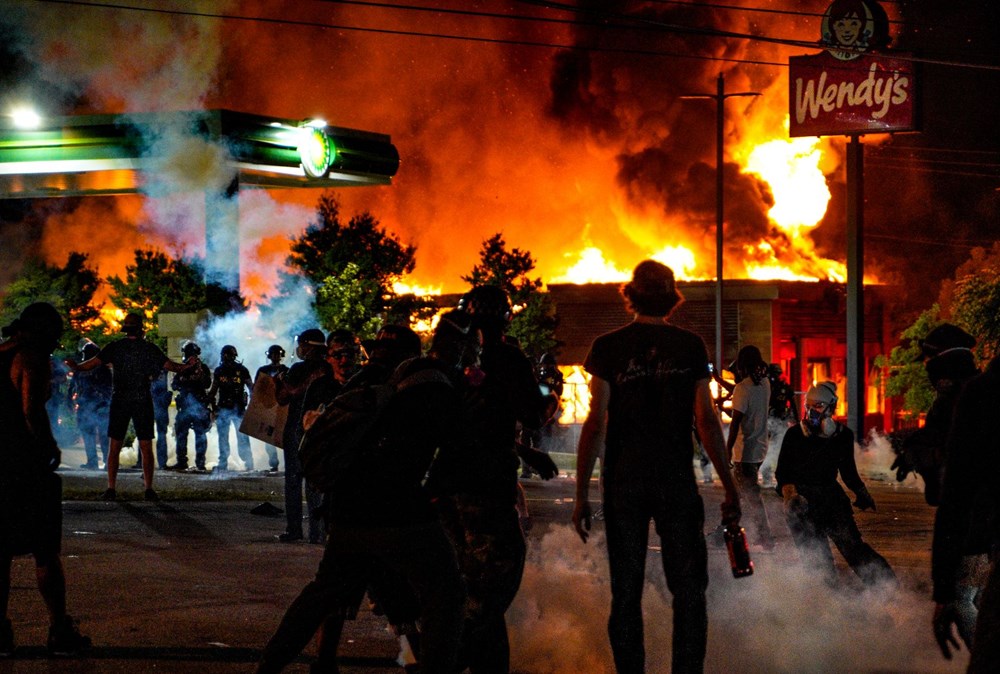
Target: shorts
[140, 412]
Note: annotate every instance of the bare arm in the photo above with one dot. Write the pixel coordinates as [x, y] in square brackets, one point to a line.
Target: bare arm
[734, 431]
[173, 366]
[588, 450]
[30, 375]
[85, 366]
[710, 432]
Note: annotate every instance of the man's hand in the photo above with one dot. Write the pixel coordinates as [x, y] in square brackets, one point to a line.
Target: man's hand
[538, 461]
[581, 519]
[731, 511]
[796, 504]
[864, 500]
[944, 617]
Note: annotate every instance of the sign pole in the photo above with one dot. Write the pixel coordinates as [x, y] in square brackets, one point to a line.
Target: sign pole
[855, 367]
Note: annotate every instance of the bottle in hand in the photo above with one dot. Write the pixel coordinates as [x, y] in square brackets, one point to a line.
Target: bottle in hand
[739, 550]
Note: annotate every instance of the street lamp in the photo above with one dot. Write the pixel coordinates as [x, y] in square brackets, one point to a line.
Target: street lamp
[719, 97]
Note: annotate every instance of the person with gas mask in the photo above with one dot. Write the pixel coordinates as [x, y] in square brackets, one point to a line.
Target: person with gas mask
[30, 488]
[90, 391]
[193, 413]
[229, 402]
[274, 369]
[134, 363]
[816, 507]
[478, 490]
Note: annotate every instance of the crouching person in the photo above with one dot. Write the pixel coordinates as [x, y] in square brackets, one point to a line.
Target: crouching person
[381, 516]
[817, 508]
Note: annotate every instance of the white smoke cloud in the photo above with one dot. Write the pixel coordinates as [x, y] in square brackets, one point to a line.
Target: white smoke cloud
[782, 619]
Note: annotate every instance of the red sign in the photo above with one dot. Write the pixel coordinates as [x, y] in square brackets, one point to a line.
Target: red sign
[871, 93]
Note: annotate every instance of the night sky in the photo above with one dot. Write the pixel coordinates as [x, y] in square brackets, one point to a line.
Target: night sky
[563, 127]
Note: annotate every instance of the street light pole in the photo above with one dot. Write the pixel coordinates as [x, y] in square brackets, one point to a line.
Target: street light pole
[719, 97]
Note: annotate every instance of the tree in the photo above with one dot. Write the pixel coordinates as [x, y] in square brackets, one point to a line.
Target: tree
[972, 302]
[70, 289]
[156, 282]
[352, 267]
[534, 320]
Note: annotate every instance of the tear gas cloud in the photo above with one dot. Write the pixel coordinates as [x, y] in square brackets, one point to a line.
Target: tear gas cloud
[782, 619]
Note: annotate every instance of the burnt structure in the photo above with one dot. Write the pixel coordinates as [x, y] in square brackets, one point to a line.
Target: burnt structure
[799, 325]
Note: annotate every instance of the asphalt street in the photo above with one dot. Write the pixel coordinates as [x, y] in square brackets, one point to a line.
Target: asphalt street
[192, 585]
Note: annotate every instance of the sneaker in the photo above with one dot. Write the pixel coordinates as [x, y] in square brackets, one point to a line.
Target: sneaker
[89, 466]
[65, 638]
[288, 537]
[151, 495]
[6, 639]
[178, 466]
[109, 494]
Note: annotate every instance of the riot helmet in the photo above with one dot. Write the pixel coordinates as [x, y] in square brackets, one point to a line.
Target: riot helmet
[229, 354]
[190, 349]
[275, 351]
[89, 350]
[490, 310]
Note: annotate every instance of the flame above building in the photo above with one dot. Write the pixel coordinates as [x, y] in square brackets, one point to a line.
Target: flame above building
[586, 155]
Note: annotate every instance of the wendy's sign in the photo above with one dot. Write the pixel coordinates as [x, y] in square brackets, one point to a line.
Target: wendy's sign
[847, 89]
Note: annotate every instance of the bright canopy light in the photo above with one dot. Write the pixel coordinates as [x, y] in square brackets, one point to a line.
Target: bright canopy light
[25, 118]
[316, 151]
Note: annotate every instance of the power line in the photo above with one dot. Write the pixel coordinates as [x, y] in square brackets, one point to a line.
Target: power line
[531, 43]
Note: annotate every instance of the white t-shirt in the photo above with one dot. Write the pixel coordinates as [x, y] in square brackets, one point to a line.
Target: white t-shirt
[752, 400]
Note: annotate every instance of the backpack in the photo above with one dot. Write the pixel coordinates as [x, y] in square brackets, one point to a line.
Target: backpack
[342, 431]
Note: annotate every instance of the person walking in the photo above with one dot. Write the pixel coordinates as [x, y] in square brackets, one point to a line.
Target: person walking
[816, 507]
[229, 401]
[30, 489]
[648, 379]
[134, 362]
[746, 445]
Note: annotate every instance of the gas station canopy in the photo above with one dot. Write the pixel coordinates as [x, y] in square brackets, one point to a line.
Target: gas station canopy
[108, 154]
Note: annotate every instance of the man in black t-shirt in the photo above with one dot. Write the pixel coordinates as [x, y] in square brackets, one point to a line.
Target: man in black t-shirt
[134, 363]
[649, 379]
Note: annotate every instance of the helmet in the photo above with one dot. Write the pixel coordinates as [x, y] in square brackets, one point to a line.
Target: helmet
[774, 371]
[132, 325]
[90, 350]
[189, 349]
[275, 351]
[229, 352]
[821, 401]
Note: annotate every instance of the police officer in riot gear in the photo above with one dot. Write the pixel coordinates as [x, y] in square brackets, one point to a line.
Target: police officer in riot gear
[275, 369]
[231, 384]
[191, 387]
[90, 391]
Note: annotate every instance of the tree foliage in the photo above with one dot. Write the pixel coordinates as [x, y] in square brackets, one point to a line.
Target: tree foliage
[534, 320]
[157, 282]
[70, 289]
[352, 267]
[972, 302]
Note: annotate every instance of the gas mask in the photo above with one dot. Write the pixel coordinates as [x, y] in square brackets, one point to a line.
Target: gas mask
[821, 401]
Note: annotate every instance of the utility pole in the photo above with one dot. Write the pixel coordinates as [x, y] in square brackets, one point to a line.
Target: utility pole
[719, 97]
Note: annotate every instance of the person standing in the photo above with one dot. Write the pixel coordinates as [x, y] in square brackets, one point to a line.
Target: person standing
[30, 489]
[229, 400]
[291, 390]
[782, 413]
[648, 379]
[969, 483]
[134, 362]
[747, 442]
[816, 506]
[91, 391]
[162, 397]
[193, 413]
[274, 369]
